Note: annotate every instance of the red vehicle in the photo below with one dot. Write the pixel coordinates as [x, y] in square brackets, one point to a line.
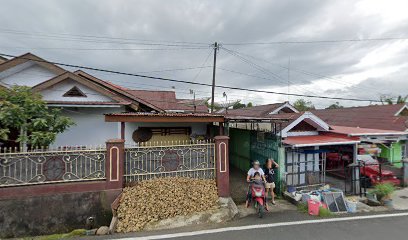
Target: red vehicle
[258, 197]
[371, 169]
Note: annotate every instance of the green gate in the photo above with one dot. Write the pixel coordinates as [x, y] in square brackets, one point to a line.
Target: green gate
[249, 145]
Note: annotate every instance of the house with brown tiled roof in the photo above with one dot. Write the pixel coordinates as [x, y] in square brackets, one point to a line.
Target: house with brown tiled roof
[390, 118]
[386, 117]
[308, 136]
[86, 98]
[263, 110]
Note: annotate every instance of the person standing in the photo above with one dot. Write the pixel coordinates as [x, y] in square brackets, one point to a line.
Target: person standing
[269, 171]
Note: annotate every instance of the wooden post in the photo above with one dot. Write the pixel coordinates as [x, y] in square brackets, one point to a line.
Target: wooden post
[115, 163]
[222, 165]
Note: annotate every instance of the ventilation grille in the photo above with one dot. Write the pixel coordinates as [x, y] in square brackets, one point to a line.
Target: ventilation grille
[74, 92]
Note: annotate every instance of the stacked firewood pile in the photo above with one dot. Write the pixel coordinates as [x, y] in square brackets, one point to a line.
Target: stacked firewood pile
[161, 198]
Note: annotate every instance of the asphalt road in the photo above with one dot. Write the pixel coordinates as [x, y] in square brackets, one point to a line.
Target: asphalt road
[372, 229]
[290, 225]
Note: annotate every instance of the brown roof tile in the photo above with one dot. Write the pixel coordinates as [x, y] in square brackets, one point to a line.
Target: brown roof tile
[373, 116]
[256, 111]
[166, 100]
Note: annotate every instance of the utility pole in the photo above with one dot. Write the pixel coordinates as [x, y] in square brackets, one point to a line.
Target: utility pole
[288, 79]
[213, 80]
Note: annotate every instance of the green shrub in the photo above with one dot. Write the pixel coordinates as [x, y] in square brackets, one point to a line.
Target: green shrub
[383, 190]
[302, 207]
[324, 212]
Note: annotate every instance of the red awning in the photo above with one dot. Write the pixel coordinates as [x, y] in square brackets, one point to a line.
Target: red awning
[319, 140]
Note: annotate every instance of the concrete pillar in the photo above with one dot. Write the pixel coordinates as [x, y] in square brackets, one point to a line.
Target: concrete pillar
[405, 172]
[222, 165]
[115, 163]
[122, 130]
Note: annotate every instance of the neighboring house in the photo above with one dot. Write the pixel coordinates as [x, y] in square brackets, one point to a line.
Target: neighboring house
[86, 98]
[307, 138]
[384, 117]
[167, 101]
[393, 118]
[263, 110]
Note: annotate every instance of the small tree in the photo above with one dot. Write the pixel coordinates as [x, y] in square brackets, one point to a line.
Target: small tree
[238, 105]
[389, 100]
[249, 104]
[303, 105]
[335, 106]
[24, 110]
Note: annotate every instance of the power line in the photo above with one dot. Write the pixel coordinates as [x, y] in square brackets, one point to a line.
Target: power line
[101, 39]
[171, 48]
[320, 41]
[302, 71]
[194, 83]
[262, 69]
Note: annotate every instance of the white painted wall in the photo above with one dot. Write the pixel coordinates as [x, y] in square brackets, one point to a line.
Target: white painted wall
[56, 92]
[90, 128]
[26, 74]
[196, 128]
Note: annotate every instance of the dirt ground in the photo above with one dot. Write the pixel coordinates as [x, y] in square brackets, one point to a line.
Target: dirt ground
[238, 185]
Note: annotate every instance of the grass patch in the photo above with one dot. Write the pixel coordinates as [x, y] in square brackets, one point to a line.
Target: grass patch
[74, 233]
[324, 212]
[302, 207]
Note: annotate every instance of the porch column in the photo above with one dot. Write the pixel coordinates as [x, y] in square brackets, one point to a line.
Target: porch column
[114, 163]
[222, 165]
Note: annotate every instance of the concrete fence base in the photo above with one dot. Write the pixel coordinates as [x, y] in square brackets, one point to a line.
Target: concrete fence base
[56, 213]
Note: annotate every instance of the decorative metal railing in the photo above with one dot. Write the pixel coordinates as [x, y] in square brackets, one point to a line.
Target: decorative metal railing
[47, 166]
[185, 159]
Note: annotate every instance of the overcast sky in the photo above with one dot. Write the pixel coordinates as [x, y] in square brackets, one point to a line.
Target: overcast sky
[151, 36]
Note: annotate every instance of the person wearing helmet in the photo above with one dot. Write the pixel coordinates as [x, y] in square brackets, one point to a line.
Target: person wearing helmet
[255, 168]
[251, 173]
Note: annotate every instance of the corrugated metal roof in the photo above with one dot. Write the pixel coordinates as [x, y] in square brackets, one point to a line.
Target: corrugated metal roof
[164, 114]
[87, 103]
[354, 131]
[319, 140]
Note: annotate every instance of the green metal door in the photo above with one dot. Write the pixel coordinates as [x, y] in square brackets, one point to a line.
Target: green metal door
[265, 145]
[246, 146]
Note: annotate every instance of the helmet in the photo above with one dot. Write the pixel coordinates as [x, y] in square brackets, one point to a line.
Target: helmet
[256, 162]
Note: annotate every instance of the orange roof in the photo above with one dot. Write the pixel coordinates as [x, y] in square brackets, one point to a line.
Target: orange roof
[319, 140]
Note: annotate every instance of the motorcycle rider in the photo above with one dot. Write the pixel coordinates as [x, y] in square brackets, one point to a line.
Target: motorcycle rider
[251, 173]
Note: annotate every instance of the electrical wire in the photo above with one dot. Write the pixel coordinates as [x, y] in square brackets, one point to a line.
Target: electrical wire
[304, 72]
[319, 41]
[194, 83]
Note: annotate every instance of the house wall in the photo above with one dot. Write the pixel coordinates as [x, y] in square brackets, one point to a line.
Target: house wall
[297, 164]
[27, 74]
[393, 153]
[56, 92]
[90, 128]
[196, 128]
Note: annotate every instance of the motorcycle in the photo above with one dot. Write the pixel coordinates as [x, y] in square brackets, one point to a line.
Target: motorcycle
[258, 197]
